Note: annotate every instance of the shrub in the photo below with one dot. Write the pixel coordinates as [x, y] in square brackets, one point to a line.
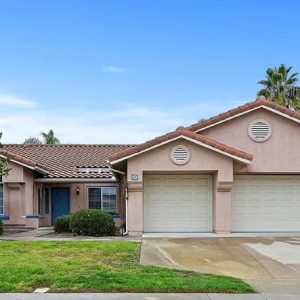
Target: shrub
[62, 224]
[92, 222]
[1, 227]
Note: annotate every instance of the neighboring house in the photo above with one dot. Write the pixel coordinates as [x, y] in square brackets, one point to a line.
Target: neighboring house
[236, 172]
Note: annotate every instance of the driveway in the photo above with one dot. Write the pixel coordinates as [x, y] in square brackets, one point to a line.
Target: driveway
[268, 264]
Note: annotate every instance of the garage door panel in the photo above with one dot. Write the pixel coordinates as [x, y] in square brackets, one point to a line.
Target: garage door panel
[266, 203]
[179, 203]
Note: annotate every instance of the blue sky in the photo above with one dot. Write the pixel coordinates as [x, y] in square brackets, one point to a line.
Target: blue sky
[125, 71]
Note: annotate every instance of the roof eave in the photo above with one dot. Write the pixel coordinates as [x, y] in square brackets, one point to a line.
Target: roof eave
[246, 112]
[236, 158]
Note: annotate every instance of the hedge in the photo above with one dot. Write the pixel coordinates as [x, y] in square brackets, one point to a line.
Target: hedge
[92, 222]
[62, 224]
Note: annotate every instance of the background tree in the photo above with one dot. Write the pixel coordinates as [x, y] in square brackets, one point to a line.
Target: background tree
[280, 86]
[33, 141]
[50, 138]
[3, 162]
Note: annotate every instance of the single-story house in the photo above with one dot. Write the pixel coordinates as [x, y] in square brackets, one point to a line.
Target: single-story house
[235, 172]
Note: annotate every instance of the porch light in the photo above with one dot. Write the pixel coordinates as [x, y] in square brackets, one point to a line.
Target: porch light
[77, 190]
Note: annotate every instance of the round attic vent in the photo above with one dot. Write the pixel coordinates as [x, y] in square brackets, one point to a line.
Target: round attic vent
[180, 155]
[259, 130]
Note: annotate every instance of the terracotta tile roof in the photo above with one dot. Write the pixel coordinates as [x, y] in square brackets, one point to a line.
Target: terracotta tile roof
[23, 160]
[62, 161]
[181, 131]
[248, 106]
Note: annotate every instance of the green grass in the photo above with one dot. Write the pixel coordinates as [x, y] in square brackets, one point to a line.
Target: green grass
[104, 266]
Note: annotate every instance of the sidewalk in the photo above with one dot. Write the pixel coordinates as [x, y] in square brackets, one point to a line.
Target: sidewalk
[124, 296]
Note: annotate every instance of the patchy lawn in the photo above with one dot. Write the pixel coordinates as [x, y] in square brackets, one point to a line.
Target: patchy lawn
[104, 266]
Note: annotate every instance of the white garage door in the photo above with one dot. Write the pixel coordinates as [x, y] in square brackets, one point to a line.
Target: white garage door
[266, 203]
[177, 203]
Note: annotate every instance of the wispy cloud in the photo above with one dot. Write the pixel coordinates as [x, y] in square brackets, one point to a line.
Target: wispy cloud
[114, 69]
[11, 100]
[131, 123]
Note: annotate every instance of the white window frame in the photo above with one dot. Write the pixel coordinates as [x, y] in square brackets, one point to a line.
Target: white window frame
[2, 209]
[102, 188]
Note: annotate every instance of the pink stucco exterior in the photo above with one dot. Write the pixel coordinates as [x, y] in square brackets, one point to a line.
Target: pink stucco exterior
[202, 161]
[20, 197]
[277, 155]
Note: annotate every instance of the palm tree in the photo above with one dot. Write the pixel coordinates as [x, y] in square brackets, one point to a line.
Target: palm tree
[33, 141]
[50, 138]
[280, 87]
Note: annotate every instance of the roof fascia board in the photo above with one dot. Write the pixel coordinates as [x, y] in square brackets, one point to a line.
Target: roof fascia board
[248, 111]
[36, 168]
[17, 162]
[72, 180]
[243, 160]
[246, 161]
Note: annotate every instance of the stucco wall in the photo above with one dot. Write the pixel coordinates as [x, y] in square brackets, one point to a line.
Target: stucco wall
[280, 153]
[20, 197]
[202, 160]
[158, 161]
[14, 193]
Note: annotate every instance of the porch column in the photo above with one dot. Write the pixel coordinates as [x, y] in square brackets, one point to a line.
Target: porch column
[223, 207]
[135, 220]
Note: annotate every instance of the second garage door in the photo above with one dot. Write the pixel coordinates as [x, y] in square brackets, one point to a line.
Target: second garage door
[266, 203]
[177, 203]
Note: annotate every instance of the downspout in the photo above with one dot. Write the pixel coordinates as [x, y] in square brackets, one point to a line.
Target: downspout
[126, 197]
[126, 212]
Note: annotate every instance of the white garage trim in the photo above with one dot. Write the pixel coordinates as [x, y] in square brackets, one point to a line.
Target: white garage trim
[266, 203]
[177, 203]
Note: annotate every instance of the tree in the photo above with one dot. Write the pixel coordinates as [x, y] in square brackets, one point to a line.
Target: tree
[3, 163]
[280, 86]
[33, 141]
[50, 138]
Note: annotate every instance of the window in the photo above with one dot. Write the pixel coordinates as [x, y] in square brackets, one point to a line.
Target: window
[104, 198]
[1, 197]
[43, 201]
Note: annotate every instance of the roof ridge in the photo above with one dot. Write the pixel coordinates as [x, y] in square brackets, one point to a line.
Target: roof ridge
[70, 145]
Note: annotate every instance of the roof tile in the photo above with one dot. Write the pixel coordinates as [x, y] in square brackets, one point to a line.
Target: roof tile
[62, 161]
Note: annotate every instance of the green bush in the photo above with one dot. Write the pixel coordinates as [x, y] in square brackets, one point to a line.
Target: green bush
[1, 227]
[62, 224]
[92, 222]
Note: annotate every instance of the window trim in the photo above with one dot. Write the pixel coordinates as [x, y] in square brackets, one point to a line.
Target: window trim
[103, 187]
[43, 210]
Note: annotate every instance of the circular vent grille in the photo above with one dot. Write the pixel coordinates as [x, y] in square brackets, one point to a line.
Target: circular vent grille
[259, 130]
[180, 155]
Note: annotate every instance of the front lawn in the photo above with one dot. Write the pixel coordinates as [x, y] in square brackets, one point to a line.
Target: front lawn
[97, 267]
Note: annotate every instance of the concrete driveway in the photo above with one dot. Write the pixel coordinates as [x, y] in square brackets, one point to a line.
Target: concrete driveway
[268, 264]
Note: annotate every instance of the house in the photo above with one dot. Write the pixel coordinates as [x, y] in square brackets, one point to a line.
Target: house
[236, 172]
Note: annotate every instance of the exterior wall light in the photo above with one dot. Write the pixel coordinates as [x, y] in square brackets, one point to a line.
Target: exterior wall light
[77, 190]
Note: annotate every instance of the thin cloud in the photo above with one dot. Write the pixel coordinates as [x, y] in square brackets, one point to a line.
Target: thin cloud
[126, 124]
[11, 100]
[114, 69]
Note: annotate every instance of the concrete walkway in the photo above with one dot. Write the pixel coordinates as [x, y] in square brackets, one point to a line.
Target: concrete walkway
[149, 296]
[47, 234]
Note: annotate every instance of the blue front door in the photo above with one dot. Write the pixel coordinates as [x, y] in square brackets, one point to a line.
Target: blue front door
[60, 202]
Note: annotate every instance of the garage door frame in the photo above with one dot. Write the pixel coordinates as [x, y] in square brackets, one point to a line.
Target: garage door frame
[268, 206]
[210, 199]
